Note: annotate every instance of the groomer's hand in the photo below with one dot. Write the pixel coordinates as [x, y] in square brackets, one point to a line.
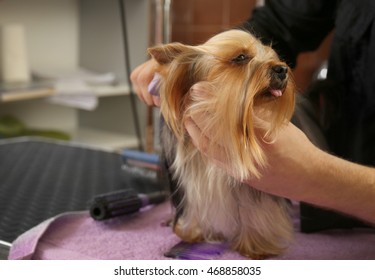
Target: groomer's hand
[287, 154]
[145, 80]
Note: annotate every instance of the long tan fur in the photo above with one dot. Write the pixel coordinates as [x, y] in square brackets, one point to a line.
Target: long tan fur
[236, 70]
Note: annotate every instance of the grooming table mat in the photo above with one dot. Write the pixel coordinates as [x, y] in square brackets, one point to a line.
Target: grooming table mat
[41, 179]
[144, 235]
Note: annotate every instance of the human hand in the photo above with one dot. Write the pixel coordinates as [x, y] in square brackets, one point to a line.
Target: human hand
[145, 80]
[288, 154]
[285, 154]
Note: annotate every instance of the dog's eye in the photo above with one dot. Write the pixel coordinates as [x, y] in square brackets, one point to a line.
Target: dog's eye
[240, 59]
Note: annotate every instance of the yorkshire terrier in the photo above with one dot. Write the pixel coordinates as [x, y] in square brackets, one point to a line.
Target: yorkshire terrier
[247, 84]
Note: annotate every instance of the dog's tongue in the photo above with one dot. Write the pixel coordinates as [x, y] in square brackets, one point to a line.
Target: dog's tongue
[276, 92]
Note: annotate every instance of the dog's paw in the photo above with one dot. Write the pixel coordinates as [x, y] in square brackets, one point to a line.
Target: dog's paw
[254, 256]
[167, 222]
[254, 252]
[191, 234]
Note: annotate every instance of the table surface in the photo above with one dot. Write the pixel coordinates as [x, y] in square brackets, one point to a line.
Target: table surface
[44, 178]
[4, 250]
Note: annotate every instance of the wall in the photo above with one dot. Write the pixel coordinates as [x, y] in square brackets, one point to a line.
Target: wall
[194, 21]
[55, 43]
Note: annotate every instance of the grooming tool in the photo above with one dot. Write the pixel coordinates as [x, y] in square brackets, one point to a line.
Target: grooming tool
[123, 202]
[196, 251]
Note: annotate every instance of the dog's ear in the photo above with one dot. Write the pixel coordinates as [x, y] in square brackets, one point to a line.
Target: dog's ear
[164, 54]
[176, 66]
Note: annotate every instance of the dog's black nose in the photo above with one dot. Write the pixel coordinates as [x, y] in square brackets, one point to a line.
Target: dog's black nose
[280, 71]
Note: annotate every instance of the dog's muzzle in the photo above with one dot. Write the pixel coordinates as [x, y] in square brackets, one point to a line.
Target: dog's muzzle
[279, 74]
[280, 71]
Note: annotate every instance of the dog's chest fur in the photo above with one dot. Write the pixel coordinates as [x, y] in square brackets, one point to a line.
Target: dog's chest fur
[207, 199]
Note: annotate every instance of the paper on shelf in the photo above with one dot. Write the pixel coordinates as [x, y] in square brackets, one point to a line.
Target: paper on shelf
[89, 77]
[74, 93]
[73, 88]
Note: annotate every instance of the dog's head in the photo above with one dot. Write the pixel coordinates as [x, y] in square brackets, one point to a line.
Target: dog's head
[246, 84]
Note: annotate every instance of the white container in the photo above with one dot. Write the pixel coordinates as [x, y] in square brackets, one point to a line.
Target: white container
[13, 52]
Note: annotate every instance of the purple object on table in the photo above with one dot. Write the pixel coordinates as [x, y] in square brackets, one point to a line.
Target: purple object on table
[196, 251]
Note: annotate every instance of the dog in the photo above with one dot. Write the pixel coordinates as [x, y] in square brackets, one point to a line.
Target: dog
[247, 84]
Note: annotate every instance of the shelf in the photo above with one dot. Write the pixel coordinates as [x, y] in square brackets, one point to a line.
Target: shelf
[104, 91]
[103, 139]
[99, 91]
[25, 94]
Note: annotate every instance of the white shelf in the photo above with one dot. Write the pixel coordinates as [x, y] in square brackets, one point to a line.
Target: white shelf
[104, 91]
[42, 92]
[103, 139]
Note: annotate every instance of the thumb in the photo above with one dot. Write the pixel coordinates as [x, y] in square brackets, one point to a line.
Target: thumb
[199, 139]
[211, 150]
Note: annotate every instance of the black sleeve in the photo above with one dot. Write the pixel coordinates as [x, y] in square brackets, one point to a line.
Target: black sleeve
[292, 26]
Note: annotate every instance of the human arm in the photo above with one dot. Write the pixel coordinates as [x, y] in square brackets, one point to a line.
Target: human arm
[300, 171]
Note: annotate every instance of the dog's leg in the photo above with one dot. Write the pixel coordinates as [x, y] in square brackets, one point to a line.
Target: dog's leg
[192, 232]
[265, 228]
[255, 246]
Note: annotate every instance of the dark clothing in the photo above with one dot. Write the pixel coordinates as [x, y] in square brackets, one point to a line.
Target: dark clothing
[293, 26]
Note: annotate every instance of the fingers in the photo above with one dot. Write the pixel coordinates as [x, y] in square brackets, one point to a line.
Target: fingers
[202, 91]
[141, 77]
[202, 88]
[199, 139]
[206, 146]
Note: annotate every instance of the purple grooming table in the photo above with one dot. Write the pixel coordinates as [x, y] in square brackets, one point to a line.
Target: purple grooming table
[143, 235]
